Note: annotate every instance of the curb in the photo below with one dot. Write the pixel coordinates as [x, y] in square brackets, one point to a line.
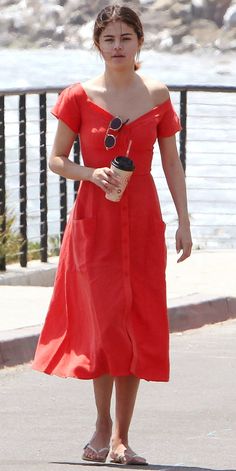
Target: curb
[199, 312]
[35, 274]
[18, 346]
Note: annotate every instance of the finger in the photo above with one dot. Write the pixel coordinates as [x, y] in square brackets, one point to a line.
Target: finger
[178, 244]
[185, 254]
[105, 186]
[113, 177]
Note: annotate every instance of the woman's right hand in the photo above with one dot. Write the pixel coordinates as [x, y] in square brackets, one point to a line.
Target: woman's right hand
[105, 178]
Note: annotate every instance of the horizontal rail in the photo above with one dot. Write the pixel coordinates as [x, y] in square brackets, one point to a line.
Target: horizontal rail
[173, 88]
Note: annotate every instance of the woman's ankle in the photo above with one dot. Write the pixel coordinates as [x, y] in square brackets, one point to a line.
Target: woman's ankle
[118, 439]
[104, 423]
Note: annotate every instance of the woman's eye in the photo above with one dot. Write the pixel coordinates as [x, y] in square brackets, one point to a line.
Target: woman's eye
[126, 39]
[108, 40]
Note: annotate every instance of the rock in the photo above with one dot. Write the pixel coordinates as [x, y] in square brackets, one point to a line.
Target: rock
[6, 39]
[5, 3]
[229, 19]
[213, 10]
[59, 34]
[180, 10]
[164, 40]
[189, 43]
[162, 5]
[86, 35]
[172, 25]
[6, 25]
[226, 40]
[219, 8]
[178, 33]
[145, 2]
[205, 32]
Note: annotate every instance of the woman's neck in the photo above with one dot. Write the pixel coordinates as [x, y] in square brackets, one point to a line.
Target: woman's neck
[114, 79]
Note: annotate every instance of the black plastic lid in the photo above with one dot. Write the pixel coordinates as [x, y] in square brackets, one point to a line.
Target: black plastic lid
[123, 163]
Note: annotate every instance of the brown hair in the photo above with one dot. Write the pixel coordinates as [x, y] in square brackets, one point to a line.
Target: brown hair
[117, 13]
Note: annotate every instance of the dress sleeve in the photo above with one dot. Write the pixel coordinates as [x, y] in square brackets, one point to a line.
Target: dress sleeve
[67, 108]
[169, 123]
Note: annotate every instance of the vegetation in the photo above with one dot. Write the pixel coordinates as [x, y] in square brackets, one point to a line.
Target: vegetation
[10, 239]
[11, 242]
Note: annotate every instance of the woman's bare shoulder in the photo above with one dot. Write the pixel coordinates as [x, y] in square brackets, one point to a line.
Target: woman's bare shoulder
[158, 90]
[92, 85]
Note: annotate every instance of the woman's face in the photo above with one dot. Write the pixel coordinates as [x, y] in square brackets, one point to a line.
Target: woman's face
[118, 44]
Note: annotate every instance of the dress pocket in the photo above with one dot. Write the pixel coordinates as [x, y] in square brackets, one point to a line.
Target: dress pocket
[158, 243]
[83, 242]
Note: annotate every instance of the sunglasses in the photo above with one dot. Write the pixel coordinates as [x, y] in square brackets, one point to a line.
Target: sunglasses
[115, 125]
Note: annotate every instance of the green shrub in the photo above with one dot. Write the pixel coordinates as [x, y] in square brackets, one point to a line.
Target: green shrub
[10, 239]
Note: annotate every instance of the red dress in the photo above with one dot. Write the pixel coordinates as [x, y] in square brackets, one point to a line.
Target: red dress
[108, 312]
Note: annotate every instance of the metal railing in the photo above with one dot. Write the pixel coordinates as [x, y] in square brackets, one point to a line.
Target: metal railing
[21, 152]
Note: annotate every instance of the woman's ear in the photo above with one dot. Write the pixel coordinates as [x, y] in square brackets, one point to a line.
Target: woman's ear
[140, 42]
[97, 45]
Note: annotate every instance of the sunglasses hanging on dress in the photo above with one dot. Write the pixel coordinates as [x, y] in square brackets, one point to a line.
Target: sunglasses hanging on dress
[115, 125]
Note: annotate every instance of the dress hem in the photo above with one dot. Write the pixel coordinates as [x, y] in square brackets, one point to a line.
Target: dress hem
[160, 379]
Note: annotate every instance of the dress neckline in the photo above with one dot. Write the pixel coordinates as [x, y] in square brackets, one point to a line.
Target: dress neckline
[104, 111]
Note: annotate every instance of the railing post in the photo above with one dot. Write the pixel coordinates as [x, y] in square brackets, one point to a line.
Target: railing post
[183, 132]
[22, 180]
[2, 182]
[77, 161]
[43, 178]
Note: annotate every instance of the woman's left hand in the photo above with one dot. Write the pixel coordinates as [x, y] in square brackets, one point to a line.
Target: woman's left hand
[183, 242]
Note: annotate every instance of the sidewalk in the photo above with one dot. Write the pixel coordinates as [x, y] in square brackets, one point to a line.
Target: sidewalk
[188, 424]
[201, 290]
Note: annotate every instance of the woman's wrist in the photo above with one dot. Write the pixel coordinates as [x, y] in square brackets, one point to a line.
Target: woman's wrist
[88, 173]
[184, 221]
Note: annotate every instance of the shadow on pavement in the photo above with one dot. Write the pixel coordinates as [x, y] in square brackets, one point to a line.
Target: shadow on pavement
[150, 466]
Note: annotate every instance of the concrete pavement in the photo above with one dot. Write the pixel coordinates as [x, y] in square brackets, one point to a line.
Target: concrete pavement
[188, 424]
[201, 290]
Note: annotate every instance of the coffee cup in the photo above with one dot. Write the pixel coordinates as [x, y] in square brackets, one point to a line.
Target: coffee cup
[124, 167]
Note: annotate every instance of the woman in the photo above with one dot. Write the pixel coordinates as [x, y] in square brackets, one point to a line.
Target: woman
[107, 319]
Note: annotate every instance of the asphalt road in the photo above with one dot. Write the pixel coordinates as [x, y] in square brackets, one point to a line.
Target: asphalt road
[188, 424]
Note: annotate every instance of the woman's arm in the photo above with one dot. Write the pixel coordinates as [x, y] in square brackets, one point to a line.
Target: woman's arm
[59, 163]
[176, 182]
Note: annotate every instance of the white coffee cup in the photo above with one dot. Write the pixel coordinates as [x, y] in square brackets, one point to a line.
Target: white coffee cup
[124, 167]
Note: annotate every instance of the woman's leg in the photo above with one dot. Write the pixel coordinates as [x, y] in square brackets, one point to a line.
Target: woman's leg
[101, 438]
[126, 392]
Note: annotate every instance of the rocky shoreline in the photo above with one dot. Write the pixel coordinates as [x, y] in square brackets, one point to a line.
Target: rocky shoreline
[170, 25]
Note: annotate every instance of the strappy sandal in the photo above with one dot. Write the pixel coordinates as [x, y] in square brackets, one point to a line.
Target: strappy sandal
[128, 458]
[100, 456]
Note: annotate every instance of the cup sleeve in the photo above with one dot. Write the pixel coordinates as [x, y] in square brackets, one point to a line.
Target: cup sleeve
[169, 123]
[67, 108]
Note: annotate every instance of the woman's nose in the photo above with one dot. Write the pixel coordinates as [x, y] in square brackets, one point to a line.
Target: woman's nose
[117, 44]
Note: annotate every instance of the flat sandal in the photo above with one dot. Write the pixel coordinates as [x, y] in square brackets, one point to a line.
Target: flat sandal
[100, 456]
[128, 459]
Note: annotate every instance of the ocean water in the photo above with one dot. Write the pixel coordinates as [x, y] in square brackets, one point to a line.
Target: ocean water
[44, 67]
[211, 145]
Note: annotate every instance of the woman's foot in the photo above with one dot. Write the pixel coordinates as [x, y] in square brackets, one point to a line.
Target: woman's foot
[91, 454]
[121, 453]
[98, 447]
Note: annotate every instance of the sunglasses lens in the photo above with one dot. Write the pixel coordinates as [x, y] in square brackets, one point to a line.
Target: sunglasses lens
[116, 124]
[110, 141]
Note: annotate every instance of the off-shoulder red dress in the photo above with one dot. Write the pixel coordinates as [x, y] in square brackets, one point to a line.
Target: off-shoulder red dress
[108, 312]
